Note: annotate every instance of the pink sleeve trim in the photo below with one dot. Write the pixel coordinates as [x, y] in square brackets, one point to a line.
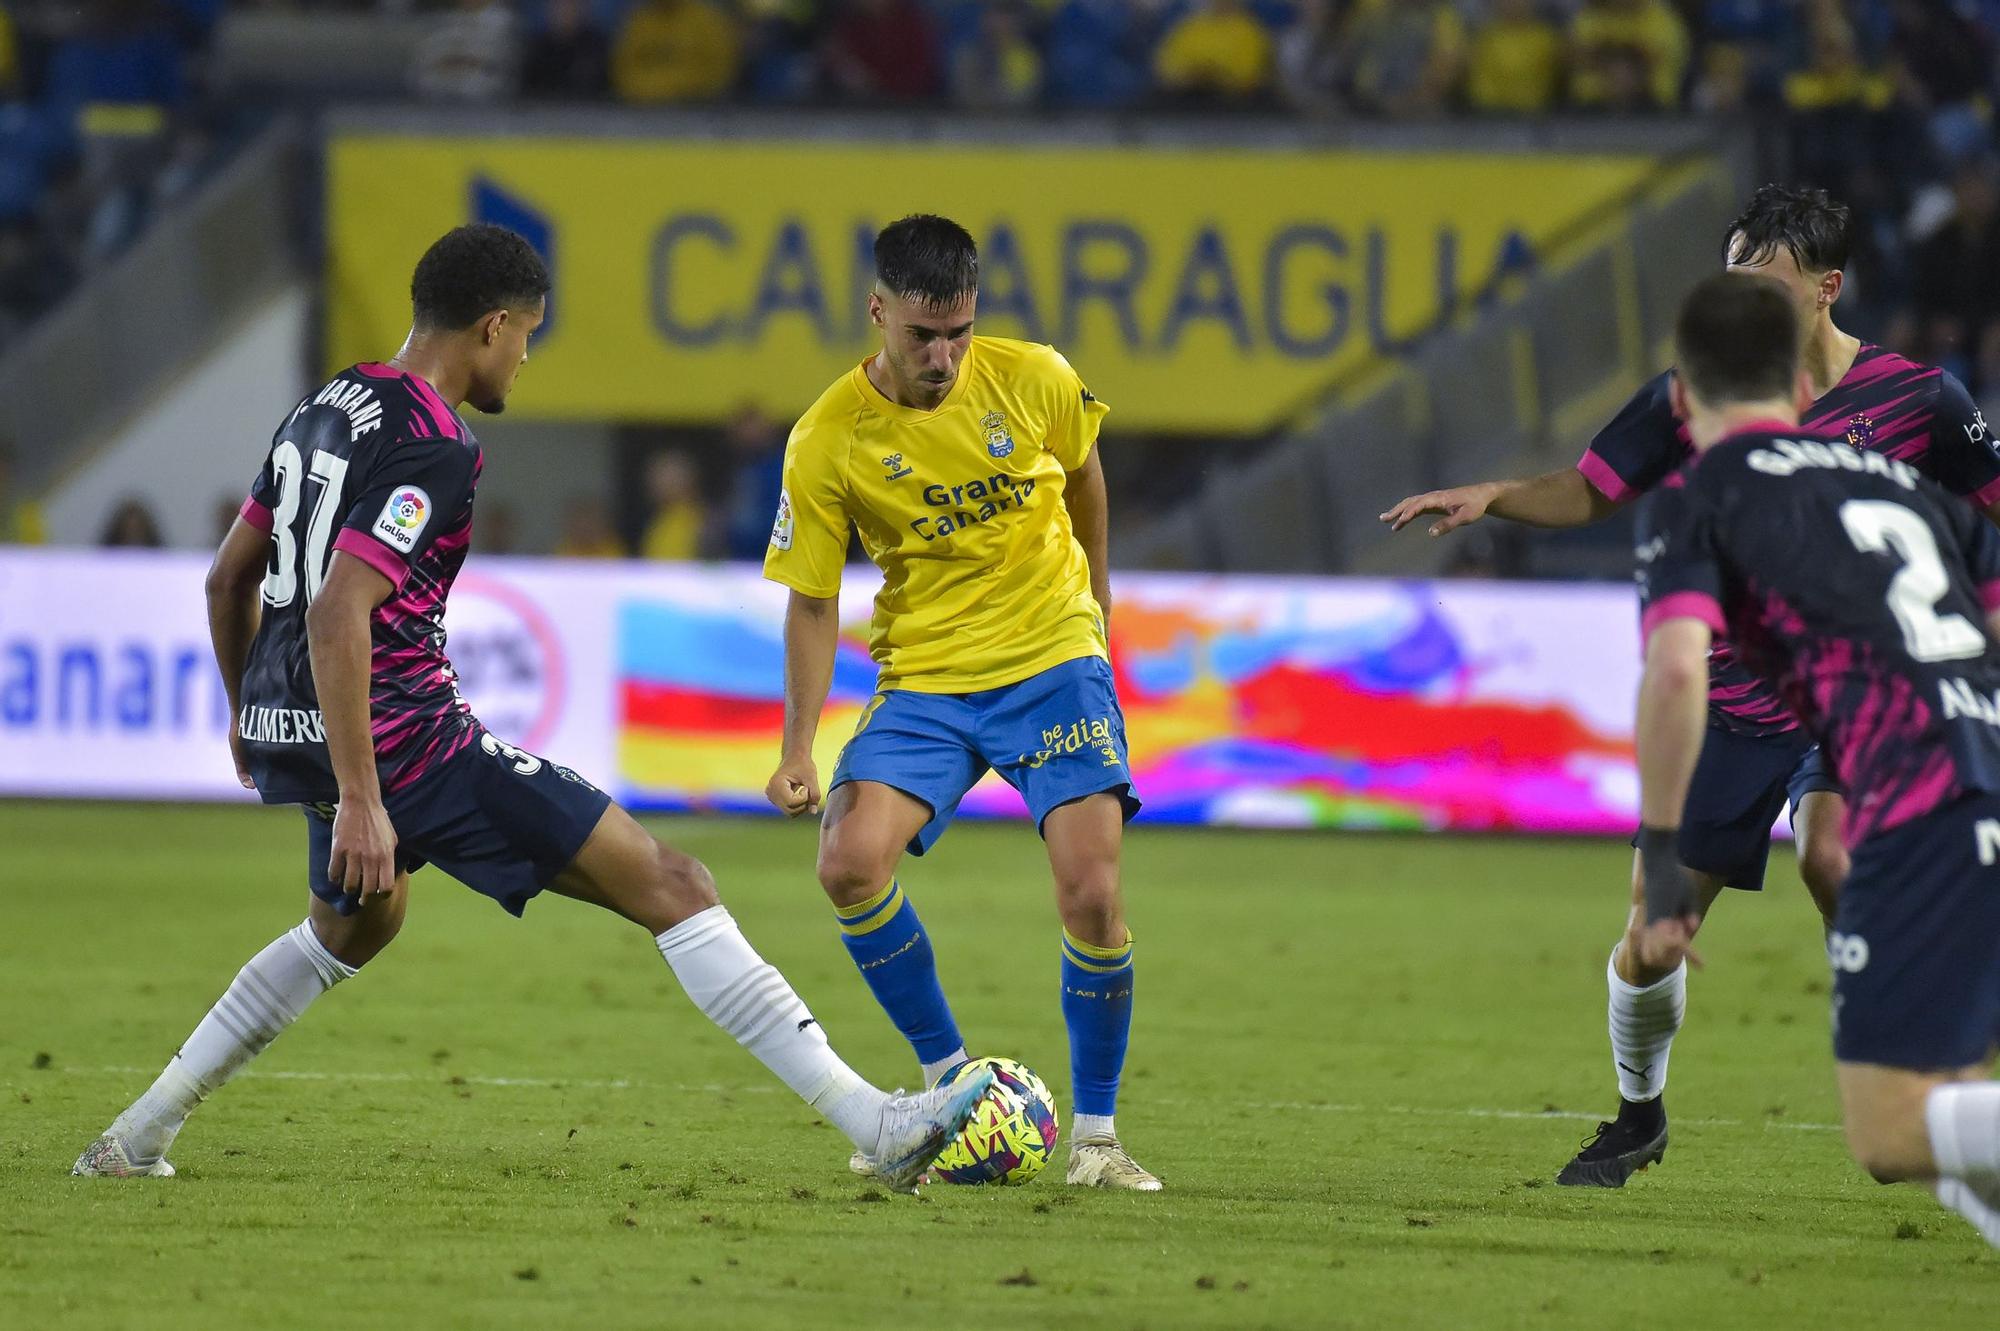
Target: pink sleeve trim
[1987, 493]
[1989, 596]
[1682, 605]
[1600, 474]
[372, 553]
[257, 516]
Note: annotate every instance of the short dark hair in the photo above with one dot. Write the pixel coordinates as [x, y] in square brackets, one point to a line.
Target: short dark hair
[1807, 223]
[1737, 340]
[929, 259]
[472, 271]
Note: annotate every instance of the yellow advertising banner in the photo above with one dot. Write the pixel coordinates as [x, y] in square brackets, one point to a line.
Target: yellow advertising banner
[1196, 290]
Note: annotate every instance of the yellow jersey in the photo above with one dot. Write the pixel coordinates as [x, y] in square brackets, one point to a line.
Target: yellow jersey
[983, 582]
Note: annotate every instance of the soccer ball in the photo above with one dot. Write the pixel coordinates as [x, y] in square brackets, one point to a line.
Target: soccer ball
[1011, 1134]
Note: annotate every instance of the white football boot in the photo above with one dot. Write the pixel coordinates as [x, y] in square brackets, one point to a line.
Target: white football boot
[1103, 1163]
[106, 1158]
[916, 1129]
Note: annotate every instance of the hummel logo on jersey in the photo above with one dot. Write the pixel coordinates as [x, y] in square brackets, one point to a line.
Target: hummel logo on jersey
[897, 471]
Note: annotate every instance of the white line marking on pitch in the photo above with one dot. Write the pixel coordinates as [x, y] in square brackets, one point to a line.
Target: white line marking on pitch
[1269, 1106]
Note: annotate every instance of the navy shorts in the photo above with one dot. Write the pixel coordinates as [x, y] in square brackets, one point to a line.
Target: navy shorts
[1740, 786]
[1915, 948]
[1055, 737]
[498, 819]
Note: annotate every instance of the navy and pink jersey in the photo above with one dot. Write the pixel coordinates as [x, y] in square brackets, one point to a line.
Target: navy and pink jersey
[377, 466]
[1885, 403]
[1858, 590]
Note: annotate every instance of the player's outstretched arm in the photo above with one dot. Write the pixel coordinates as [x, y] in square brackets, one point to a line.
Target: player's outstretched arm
[1561, 498]
[1673, 711]
[337, 632]
[812, 636]
[234, 609]
[1090, 518]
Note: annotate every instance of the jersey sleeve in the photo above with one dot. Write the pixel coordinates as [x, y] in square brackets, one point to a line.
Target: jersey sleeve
[1963, 447]
[1678, 568]
[1639, 448]
[260, 507]
[418, 491]
[809, 536]
[1075, 418]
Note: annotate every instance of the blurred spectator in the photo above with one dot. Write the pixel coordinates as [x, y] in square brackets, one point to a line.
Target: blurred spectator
[10, 57]
[675, 51]
[1312, 58]
[1515, 62]
[123, 52]
[781, 54]
[570, 57]
[587, 532]
[1405, 55]
[1833, 76]
[1947, 65]
[1093, 54]
[131, 524]
[674, 525]
[222, 516]
[1630, 55]
[497, 533]
[20, 516]
[1956, 271]
[1218, 52]
[999, 68]
[473, 54]
[884, 50]
[757, 456]
[1722, 81]
[33, 276]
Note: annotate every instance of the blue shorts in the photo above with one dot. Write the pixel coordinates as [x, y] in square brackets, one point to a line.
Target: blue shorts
[499, 820]
[1055, 737]
[1740, 786]
[1915, 947]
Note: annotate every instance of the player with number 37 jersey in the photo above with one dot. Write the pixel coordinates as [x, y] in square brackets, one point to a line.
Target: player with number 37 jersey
[374, 464]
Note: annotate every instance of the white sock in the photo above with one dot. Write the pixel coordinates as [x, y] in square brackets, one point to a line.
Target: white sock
[1643, 1024]
[1091, 1127]
[269, 993]
[740, 992]
[1963, 1118]
[937, 1068]
[1982, 1210]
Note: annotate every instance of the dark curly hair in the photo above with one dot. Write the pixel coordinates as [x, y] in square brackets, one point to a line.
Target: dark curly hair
[1805, 222]
[472, 271]
[928, 259]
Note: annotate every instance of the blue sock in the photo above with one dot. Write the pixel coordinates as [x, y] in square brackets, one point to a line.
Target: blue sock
[888, 943]
[1097, 1008]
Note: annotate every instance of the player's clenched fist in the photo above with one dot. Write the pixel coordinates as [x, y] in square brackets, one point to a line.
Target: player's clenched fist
[1460, 506]
[794, 788]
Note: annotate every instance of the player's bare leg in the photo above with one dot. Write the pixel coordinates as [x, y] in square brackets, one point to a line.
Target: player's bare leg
[1819, 823]
[270, 993]
[671, 895]
[1939, 1129]
[1646, 1009]
[1084, 840]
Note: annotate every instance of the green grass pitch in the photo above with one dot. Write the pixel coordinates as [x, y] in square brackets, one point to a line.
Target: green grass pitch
[1358, 1063]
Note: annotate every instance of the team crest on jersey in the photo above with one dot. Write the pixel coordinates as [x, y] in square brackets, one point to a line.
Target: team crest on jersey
[894, 468]
[404, 517]
[781, 530]
[1861, 432]
[999, 443]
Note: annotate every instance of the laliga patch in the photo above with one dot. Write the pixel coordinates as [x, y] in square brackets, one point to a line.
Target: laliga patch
[404, 517]
[781, 530]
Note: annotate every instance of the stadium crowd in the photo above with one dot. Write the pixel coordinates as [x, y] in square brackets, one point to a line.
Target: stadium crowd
[1888, 103]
